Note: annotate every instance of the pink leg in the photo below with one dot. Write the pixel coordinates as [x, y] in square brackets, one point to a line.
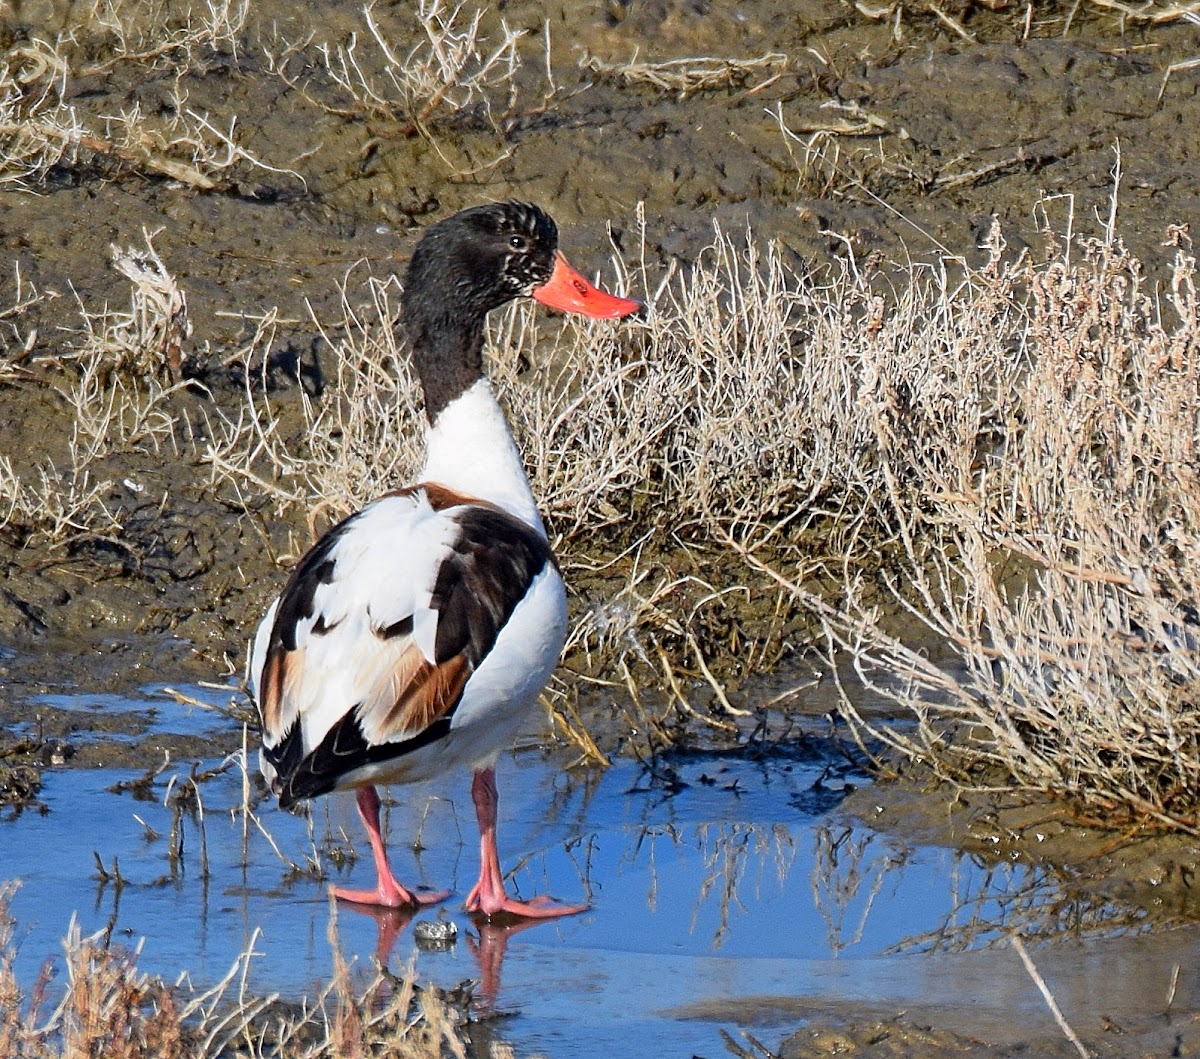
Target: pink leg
[488, 895]
[387, 892]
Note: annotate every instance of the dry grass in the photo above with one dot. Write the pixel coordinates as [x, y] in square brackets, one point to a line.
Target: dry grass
[51, 505]
[453, 69]
[1150, 13]
[42, 127]
[1040, 476]
[1052, 18]
[357, 442]
[118, 380]
[148, 340]
[685, 77]
[17, 341]
[191, 40]
[106, 1006]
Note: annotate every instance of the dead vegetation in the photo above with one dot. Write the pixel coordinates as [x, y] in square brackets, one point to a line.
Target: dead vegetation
[454, 67]
[1049, 540]
[122, 369]
[45, 127]
[683, 77]
[106, 1006]
[957, 17]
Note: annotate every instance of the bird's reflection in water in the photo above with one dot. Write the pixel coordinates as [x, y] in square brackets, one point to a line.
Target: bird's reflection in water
[487, 945]
[390, 923]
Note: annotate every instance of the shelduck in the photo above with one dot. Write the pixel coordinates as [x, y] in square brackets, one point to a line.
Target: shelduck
[414, 636]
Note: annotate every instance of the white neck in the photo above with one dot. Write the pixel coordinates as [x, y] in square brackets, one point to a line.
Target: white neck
[471, 450]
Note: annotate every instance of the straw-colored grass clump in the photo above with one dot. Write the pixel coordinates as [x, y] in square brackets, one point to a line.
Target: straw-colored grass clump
[105, 1006]
[453, 69]
[1050, 540]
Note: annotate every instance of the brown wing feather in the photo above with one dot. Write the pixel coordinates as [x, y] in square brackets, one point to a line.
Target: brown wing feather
[426, 694]
[270, 695]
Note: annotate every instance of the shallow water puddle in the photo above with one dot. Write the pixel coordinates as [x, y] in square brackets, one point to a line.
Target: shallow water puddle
[723, 890]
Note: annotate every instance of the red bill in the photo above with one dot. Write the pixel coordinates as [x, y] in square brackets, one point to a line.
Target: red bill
[566, 289]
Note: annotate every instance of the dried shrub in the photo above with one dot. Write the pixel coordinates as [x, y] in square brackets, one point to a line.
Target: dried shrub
[685, 77]
[43, 128]
[453, 69]
[119, 379]
[1048, 531]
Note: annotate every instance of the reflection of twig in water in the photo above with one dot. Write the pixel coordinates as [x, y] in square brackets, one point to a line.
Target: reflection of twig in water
[988, 903]
[526, 861]
[726, 850]
[104, 876]
[418, 843]
[736, 1049]
[652, 833]
[785, 851]
[584, 870]
[840, 866]
[186, 800]
[724, 863]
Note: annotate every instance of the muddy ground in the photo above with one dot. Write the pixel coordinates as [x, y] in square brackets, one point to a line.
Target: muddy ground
[911, 128]
[960, 131]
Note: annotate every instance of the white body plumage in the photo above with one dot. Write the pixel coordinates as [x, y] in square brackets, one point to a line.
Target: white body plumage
[371, 615]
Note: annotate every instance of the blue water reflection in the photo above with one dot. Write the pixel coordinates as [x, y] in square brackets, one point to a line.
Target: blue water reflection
[712, 880]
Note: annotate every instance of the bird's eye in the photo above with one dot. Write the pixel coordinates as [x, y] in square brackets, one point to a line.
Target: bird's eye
[518, 242]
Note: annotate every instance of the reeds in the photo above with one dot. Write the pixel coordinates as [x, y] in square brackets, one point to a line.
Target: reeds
[1042, 494]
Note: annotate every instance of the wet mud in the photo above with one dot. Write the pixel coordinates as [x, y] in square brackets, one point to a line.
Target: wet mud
[900, 134]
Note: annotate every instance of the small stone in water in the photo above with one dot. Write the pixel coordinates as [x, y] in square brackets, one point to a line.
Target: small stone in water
[435, 934]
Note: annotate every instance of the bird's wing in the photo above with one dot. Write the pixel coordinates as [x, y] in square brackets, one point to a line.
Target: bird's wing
[365, 655]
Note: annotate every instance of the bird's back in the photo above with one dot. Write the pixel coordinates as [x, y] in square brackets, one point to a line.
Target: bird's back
[428, 617]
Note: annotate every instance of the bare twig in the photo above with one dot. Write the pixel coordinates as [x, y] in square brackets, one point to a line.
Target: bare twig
[1015, 941]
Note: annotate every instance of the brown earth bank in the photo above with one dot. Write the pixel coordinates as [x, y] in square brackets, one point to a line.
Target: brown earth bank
[899, 132]
[903, 1037]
